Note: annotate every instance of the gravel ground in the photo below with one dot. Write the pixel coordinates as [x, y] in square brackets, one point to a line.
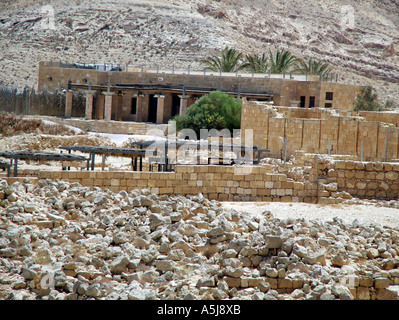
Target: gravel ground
[364, 213]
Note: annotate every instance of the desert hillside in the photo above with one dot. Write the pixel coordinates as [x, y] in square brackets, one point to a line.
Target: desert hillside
[359, 39]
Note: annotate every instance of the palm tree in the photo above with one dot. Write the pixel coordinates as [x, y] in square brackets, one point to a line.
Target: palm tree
[313, 67]
[257, 63]
[229, 61]
[282, 61]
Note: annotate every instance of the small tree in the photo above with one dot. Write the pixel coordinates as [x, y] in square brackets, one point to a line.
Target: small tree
[216, 110]
[366, 100]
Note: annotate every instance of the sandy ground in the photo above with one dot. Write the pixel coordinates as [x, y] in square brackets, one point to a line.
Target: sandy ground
[367, 213]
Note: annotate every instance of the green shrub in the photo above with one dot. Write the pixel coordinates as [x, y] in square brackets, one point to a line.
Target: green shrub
[366, 100]
[390, 104]
[216, 110]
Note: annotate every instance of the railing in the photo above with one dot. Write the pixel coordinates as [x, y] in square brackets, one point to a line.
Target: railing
[330, 77]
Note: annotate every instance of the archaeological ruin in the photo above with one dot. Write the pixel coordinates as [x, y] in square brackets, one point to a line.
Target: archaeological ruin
[159, 230]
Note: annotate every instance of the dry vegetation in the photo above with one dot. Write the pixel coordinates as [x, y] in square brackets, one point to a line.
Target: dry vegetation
[11, 125]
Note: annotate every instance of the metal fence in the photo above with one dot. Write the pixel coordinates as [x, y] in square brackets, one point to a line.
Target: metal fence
[30, 102]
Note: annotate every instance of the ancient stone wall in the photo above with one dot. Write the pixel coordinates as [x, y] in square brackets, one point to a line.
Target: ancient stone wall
[372, 180]
[116, 127]
[222, 183]
[387, 117]
[270, 125]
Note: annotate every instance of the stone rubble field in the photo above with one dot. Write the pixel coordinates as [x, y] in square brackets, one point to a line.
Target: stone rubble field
[59, 240]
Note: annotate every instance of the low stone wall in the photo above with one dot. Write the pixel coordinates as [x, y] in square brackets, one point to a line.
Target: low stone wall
[223, 183]
[115, 127]
[324, 180]
[376, 180]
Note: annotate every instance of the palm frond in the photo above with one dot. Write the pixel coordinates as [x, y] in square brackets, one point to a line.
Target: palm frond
[313, 67]
[282, 61]
[230, 60]
[257, 64]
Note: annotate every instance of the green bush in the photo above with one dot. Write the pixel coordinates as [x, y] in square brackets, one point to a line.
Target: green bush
[216, 110]
[366, 100]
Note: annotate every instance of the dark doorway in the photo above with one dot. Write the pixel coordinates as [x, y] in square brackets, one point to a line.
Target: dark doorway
[175, 105]
[302, 102]
[152, 112]
[311, 102]
[133, 107]
[93, 110]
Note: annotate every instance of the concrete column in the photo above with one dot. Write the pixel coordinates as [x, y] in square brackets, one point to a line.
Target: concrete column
[161, 108]
[89, 104]
[183, 104]
[68, 103]
[139, 108]
[100, 107]
[108, 105]
[167, 111]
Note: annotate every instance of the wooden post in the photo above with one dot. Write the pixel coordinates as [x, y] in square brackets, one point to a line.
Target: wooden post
[386, 145]
[361, 150]
[183, 104]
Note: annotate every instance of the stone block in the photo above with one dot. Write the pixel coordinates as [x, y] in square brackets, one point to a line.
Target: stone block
[372, 185]
[386, 294]
[361, 185]
[284, 283]
[349, 174]
[381, 283]
[273, 282]
[232, 282]
[340, 165]
[281, 192]
[380, 176]
[359, 174]
[391, 175]
[359, 165]
[363, 293]
[366, 281]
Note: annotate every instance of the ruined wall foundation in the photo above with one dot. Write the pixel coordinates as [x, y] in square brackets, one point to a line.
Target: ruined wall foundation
[317, 131]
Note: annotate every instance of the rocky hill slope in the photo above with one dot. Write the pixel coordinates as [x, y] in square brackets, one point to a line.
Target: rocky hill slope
[359, 39]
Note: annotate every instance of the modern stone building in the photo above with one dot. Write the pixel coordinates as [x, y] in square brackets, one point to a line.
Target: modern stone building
[156, 96]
